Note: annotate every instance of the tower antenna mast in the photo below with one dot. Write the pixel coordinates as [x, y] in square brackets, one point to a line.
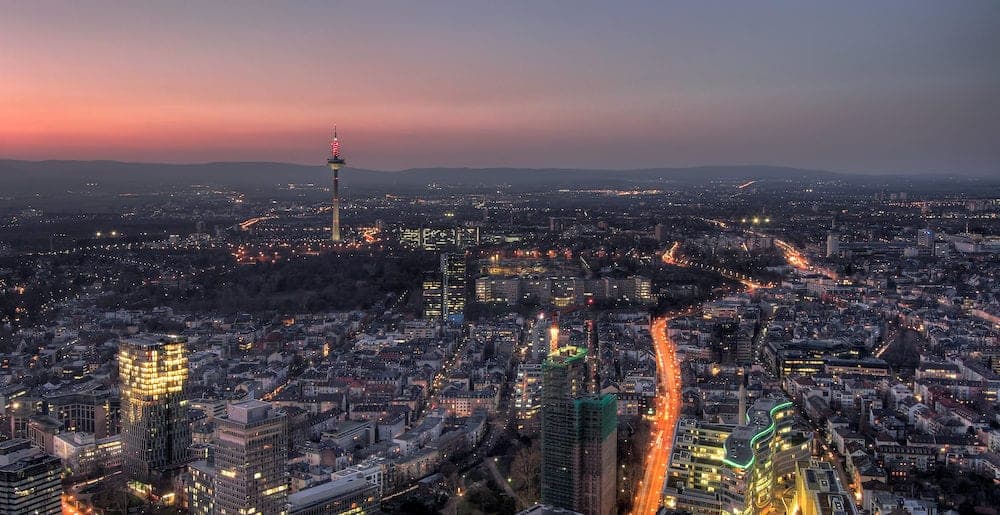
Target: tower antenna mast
[335, 162]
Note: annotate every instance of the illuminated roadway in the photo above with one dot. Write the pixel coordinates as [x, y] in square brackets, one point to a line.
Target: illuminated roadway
[247, 224]
[671, 257]
[668, 408]
[668, 400]
[792, 255]
[668, 393]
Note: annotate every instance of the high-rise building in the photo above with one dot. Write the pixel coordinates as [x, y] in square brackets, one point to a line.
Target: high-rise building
[453, 285]
[540, 339]
[598, 429]
[527, 395]
[246, 472]
[433, 296]
[579, 436]
[155, 430]
[740, 470]
[564, 379]
[832, 244]
[528, 386]
[30, 479]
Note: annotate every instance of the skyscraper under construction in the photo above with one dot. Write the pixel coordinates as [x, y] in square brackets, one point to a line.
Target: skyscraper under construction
[579, 436]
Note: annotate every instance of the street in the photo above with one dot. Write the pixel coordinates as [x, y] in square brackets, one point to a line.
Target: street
[668, 408]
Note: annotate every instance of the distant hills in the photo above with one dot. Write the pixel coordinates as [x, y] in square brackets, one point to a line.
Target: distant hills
[40, 176]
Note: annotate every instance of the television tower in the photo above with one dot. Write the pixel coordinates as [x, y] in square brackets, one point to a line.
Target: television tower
[335, 161]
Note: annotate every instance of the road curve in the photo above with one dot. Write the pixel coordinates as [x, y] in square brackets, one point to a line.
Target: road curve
[668, 408]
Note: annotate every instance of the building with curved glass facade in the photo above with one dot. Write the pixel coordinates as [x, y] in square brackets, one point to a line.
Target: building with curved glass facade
[737, 470]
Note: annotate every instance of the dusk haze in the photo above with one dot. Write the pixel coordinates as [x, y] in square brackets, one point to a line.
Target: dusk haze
[894, 86]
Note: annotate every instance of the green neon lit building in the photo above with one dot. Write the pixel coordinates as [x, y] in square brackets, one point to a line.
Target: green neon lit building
[736, 470]
[579, 437]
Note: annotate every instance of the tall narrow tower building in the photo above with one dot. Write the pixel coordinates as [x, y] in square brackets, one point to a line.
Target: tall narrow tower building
[153, 373]
[579, 436]
[453, 273]
[335, 162]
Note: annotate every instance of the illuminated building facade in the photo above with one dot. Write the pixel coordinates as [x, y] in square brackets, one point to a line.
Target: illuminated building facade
[246, 472]
[528, 386]
[155, 431]
[501, 290]
[30, 480]
[432, 291]
[453, 283]
[438, 239]
[89, 412]
[464, 403]
[818, 490]
[540, 340]
[579, 437]
[527, 395]
[82, 453]
[735, 470]
[697, 478]
[563, 291]
[200, 485]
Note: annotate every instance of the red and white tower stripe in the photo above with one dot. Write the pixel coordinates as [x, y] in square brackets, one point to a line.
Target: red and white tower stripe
[335, 161]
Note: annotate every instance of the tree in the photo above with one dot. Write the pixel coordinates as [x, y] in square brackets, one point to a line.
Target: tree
[525, 470]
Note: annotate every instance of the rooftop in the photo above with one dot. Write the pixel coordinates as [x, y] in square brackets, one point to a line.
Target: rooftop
[318, 494]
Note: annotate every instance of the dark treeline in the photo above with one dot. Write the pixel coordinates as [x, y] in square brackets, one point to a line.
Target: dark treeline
[340, 281]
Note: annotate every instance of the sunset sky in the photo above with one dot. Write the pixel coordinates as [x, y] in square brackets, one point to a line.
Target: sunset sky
[879, 86]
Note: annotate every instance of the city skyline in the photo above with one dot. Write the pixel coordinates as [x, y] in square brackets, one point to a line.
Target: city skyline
[685, 258]
[854, 87]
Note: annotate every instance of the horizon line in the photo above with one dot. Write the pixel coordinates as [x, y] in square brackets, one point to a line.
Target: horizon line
[559, 169]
